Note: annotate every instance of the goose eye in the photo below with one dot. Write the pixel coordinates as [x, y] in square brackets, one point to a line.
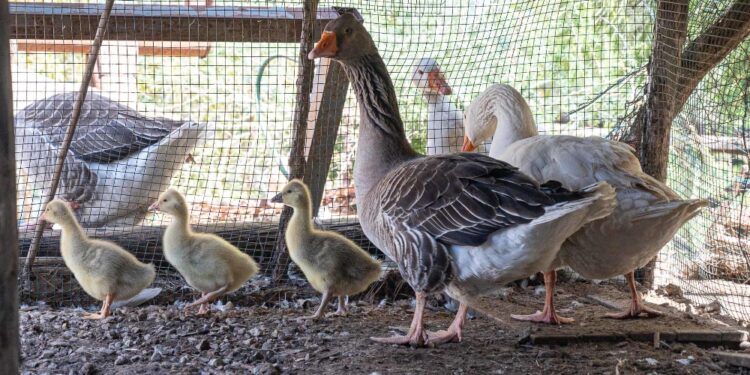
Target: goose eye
[348, 30]
[288, 191]
[163, 200]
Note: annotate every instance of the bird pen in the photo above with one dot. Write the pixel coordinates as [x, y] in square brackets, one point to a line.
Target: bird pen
[219, 100]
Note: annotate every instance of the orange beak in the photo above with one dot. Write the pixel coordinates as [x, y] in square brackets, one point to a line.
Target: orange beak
[468, 146]
[326, 46]
[436, 81]
[154, 207]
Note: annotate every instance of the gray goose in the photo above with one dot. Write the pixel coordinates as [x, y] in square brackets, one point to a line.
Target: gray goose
[118, 162]
[461, 223]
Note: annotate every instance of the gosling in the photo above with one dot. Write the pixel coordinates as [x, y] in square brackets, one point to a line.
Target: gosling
[334, 265]
[104, 270]
[206, 261]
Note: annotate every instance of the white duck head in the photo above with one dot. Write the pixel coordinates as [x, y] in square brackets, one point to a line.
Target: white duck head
[428, 77]
[499, 111]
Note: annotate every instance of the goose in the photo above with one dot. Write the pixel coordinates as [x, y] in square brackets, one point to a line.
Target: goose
[207, 262]
[444, 120]
[647, 209]
[118, 162]
[334, 265]
[104, 270]
[461, 223]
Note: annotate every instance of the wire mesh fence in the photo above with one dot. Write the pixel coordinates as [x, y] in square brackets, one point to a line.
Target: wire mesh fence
[210, 111]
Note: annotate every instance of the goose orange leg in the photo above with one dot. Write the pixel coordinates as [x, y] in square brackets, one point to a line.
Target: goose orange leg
[548, 314]
[637, 307]
[416, 335]
[104, 312]
[453, 333]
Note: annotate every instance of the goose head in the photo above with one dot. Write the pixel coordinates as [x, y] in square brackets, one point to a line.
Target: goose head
[58, 212]
[344, 38]
[499, 111]
[295, 194]
[171, 202]
[428, 77]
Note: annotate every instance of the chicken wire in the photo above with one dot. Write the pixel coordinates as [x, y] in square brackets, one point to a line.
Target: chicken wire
[581, 65]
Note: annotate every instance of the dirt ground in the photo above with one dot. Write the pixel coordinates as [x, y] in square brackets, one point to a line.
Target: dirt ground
[265, 338]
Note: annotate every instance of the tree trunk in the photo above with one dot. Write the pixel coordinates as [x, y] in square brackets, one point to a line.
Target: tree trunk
[9, 344]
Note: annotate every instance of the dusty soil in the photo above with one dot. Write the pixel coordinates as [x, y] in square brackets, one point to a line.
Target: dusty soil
[266, 338]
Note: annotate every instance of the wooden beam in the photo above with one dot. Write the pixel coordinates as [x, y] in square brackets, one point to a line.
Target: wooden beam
[256, 239]
[329, 111]
[9, 341]
[144, 22]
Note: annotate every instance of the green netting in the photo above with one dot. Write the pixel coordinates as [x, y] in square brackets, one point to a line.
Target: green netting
[581, 65]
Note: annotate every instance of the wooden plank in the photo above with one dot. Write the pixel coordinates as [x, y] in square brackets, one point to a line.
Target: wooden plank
[329, 111]
[163, 22]
[702, 338]
[9, 341]
[734, 359]
[174, 49]
[257, 239]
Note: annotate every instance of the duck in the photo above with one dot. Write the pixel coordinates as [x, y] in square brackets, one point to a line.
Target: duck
[118, 161]
[208, 262]
[334, 265]
[444, 120]
[647, 209]
[105, 271]
[462, 223]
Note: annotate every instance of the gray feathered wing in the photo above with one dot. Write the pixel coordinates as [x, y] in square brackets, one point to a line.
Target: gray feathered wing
[434, 202]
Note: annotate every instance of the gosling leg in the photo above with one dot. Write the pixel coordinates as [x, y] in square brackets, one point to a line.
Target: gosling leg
[323, 304]
[104, 312]
[208, 297]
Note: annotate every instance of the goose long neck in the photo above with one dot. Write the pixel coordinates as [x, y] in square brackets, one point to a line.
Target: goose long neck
[73, 230]
[514, 121]
[382, 141]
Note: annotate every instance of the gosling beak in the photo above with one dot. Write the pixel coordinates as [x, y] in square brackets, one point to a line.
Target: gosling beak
[154, 207]
[468, 146]
[436, 81]
[326, 46]
[278, 198]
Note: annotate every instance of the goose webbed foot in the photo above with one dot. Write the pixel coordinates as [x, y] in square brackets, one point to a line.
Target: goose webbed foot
[416, 336]
[453, 333]
[637, 307]
[548, 315]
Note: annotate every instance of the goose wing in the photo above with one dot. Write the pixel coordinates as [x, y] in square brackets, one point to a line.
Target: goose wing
[107, 131]
[460, 199]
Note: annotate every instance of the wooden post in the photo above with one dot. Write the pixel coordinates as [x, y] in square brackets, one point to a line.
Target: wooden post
[330, 108]
[297, 156]
[9, 342]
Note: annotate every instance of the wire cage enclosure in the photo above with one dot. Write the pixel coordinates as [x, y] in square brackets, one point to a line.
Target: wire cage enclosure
[201, 97]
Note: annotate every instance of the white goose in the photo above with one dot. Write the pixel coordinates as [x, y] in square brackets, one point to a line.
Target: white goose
[118, 161]
[445, 122]
[463, 223]
[648, 215]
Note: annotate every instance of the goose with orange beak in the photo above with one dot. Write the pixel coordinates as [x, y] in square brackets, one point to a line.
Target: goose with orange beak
[647, 209]
[444, 120]
[461, 223]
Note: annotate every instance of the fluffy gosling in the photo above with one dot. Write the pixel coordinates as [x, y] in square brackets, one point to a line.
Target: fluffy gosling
[206, 261]
[103, 269]
[334, 265]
